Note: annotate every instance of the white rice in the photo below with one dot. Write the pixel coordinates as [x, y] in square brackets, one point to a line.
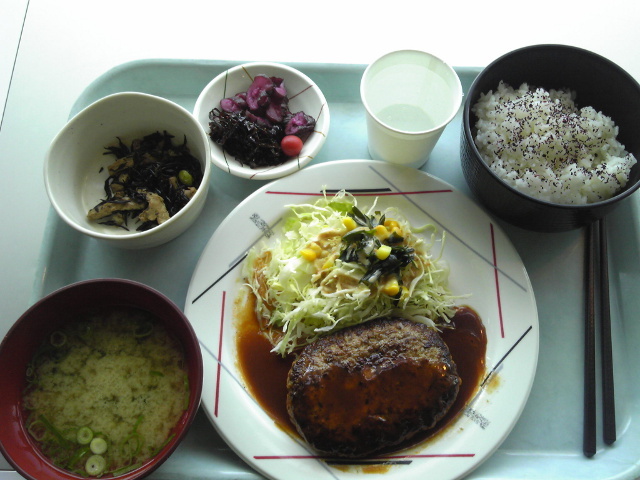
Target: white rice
[541, 144]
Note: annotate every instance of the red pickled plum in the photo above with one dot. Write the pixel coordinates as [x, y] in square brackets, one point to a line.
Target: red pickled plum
[291, 145]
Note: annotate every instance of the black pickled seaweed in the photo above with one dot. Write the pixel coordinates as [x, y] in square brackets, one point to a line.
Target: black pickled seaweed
[399, 258]
[152, 165]
[253, 143]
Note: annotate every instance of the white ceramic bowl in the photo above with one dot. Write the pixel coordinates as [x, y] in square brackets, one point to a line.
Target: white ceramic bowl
[72, 166]
[304, 95]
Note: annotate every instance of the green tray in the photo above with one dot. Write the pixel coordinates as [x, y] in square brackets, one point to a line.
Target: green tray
[547, 440]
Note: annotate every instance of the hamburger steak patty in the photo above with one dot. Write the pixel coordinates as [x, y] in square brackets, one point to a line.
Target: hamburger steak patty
[371, 386]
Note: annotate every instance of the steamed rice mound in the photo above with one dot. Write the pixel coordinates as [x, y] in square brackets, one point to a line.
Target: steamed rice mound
[541, 144]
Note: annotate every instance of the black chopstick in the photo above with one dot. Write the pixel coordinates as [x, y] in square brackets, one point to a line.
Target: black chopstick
[589, 432]
[608, 390]
[596, 241]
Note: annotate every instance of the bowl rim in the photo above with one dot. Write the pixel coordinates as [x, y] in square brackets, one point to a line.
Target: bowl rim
[290, 165]
[467, 129]
[459, 93]
[132, 235]
[186, 420]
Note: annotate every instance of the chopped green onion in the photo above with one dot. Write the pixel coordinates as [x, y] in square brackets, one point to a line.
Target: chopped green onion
[138, 422]
[131, 445]
[84, 435]
[95, 465]
[144, 329]
[78, 456]
[56, 433]
[163, 444]
[126, 469]
[37, 429]
[58, 339]
[98, 445]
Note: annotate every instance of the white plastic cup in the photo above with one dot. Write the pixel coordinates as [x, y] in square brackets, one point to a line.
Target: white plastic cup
[409, 97]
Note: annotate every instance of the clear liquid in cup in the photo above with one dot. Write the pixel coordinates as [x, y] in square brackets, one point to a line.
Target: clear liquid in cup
[405, 117]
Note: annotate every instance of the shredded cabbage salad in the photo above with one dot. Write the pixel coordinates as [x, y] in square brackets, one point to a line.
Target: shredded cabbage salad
[337, 266]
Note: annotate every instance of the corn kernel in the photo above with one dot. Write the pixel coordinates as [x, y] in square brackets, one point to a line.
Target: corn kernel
[315, 247]
[328, 264]
[390, 224]
[381, 232]
[349, 223]
[391, 288]
[383, 252]
[308, 254]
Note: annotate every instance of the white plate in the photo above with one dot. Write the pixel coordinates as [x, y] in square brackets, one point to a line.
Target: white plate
[483, 263]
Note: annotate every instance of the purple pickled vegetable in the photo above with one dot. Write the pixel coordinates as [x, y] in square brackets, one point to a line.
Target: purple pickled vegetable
[229, 105]
[259, 92]
[257, 120]
[275, 112]
[299, 124]
[237, 103]
[279, 90]
[241, 100]
[280, 93]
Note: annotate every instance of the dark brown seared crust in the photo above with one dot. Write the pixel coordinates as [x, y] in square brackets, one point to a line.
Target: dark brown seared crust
[371, 387]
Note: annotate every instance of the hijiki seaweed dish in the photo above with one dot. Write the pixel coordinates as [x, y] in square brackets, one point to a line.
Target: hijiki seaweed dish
[149, 182]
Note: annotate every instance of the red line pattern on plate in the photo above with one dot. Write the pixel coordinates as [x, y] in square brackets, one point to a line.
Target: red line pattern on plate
[393, 457]
[356, 194]
[218, 373]
[497, 278]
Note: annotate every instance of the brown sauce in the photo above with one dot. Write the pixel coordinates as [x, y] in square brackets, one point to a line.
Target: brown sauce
[265, 373]
[467, 342]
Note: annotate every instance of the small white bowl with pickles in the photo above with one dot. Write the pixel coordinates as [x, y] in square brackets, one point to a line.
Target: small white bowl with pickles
[302, 95]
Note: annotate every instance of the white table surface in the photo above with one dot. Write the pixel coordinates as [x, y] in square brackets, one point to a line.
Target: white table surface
[50, 50]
